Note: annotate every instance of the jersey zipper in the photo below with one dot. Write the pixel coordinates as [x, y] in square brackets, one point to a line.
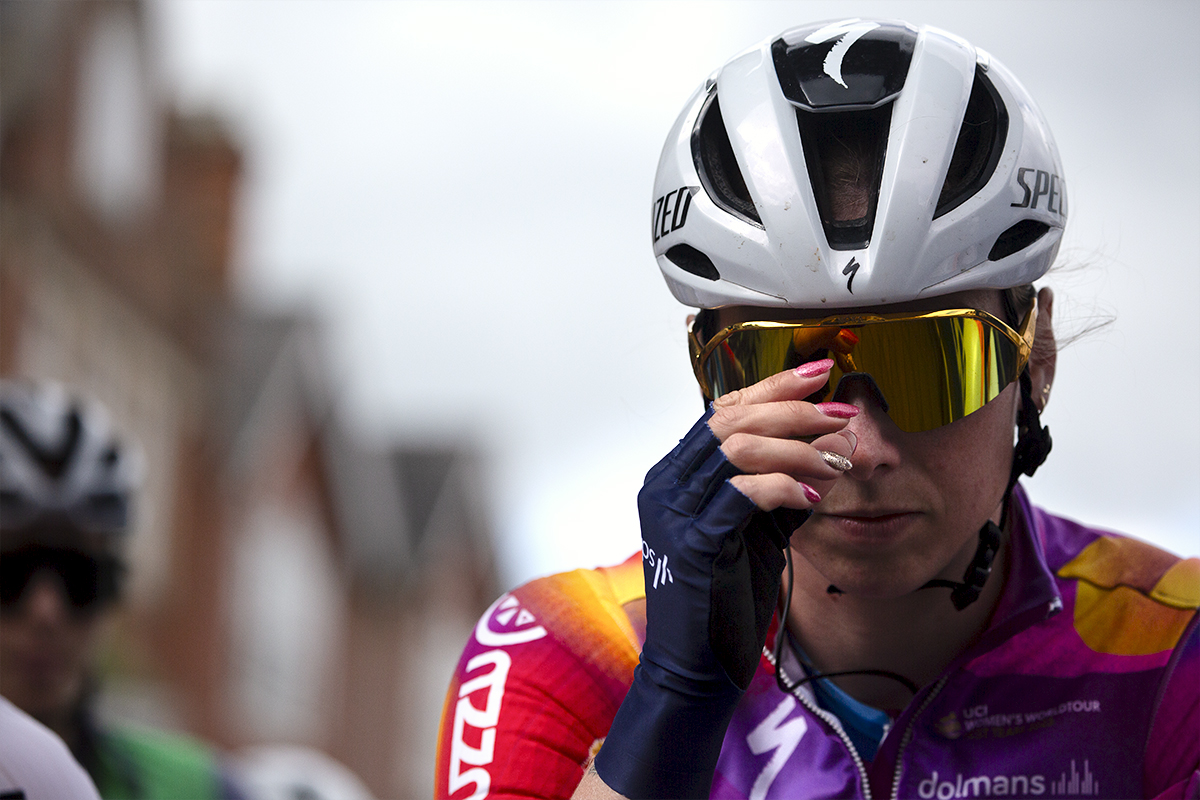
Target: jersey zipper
[908, 733]
[834, 723]
[1055, 605]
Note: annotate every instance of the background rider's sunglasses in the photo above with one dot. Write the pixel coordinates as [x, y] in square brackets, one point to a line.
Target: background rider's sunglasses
[90, 582]
[927, 369]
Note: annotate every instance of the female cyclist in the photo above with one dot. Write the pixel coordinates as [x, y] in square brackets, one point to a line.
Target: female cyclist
[842, 589]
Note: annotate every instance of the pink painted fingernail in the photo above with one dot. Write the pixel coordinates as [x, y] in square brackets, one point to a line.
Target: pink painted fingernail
[814, 368]
[810, 493]
[839, 410]
[850, 437]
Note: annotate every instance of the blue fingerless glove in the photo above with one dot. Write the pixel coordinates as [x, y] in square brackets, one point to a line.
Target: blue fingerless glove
[713, 565]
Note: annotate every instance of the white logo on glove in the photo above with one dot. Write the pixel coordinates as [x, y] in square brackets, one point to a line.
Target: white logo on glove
[850, 31]
[662, 574]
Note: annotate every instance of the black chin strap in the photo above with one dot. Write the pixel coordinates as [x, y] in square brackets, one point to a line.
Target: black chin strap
[1033, 445]
[967, 591]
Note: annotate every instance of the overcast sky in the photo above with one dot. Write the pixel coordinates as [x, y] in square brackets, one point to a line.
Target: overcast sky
[462, 193]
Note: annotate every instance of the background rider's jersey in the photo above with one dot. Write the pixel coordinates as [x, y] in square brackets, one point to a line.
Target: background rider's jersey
[35, 764]
[144, 764]
[1085, 684]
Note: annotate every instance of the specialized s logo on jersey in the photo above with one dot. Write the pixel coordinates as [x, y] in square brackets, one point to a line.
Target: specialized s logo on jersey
[776, 736]
[505, 624]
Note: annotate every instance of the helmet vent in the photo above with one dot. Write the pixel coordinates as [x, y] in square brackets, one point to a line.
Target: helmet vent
[689, 259]
[844, 153]
[53, 460]
[873, 56]
[977, 150]
[717, 166]
[1017, 238]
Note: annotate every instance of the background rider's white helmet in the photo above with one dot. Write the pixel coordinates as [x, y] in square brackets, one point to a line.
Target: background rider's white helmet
[965, 185]
[62, 464]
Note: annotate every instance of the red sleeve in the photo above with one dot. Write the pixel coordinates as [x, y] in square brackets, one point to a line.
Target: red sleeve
[536, 690]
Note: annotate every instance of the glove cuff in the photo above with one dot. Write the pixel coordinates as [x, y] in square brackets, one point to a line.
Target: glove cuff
[667, 735]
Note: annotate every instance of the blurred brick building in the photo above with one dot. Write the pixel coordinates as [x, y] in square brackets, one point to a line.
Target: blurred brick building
[288, 584]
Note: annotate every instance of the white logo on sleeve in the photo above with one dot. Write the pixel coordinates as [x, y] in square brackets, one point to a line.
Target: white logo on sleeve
[775, 734]
[850, 31]
[507, 623]
[486, 718]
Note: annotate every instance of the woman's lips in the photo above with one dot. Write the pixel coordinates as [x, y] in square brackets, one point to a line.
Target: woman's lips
[872, 524]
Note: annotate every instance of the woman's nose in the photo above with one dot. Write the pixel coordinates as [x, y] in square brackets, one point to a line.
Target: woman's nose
[45, 598]
[878, 446]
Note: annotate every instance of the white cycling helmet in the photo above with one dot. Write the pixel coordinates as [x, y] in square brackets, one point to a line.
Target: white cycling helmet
[290, 772]
[965, 186]
[60, 463]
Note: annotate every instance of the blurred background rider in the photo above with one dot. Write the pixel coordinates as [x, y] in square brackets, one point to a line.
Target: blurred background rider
[66, 486]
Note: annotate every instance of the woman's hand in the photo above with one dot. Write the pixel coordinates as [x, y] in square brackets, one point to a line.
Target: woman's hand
[714, 528]
[777, 439]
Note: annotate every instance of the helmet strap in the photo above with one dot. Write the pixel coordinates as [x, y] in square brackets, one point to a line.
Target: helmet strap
[1033, 438]
[1033, 445]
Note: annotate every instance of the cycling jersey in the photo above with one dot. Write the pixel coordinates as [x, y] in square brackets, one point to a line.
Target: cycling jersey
[35, 764]
[1085, 684]
[134, 763]
[151, 764]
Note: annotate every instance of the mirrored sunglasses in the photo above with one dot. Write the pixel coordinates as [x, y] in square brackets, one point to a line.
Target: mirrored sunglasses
[927, 369]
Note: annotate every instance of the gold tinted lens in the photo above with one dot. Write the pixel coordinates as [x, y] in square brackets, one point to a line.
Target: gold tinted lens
[930, 371]
[747, 356]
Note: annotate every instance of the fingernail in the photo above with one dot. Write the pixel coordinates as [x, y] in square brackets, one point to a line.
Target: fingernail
[839, 410]
[814, 368]
[810, 493]
[851, 438]
[838, 462]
